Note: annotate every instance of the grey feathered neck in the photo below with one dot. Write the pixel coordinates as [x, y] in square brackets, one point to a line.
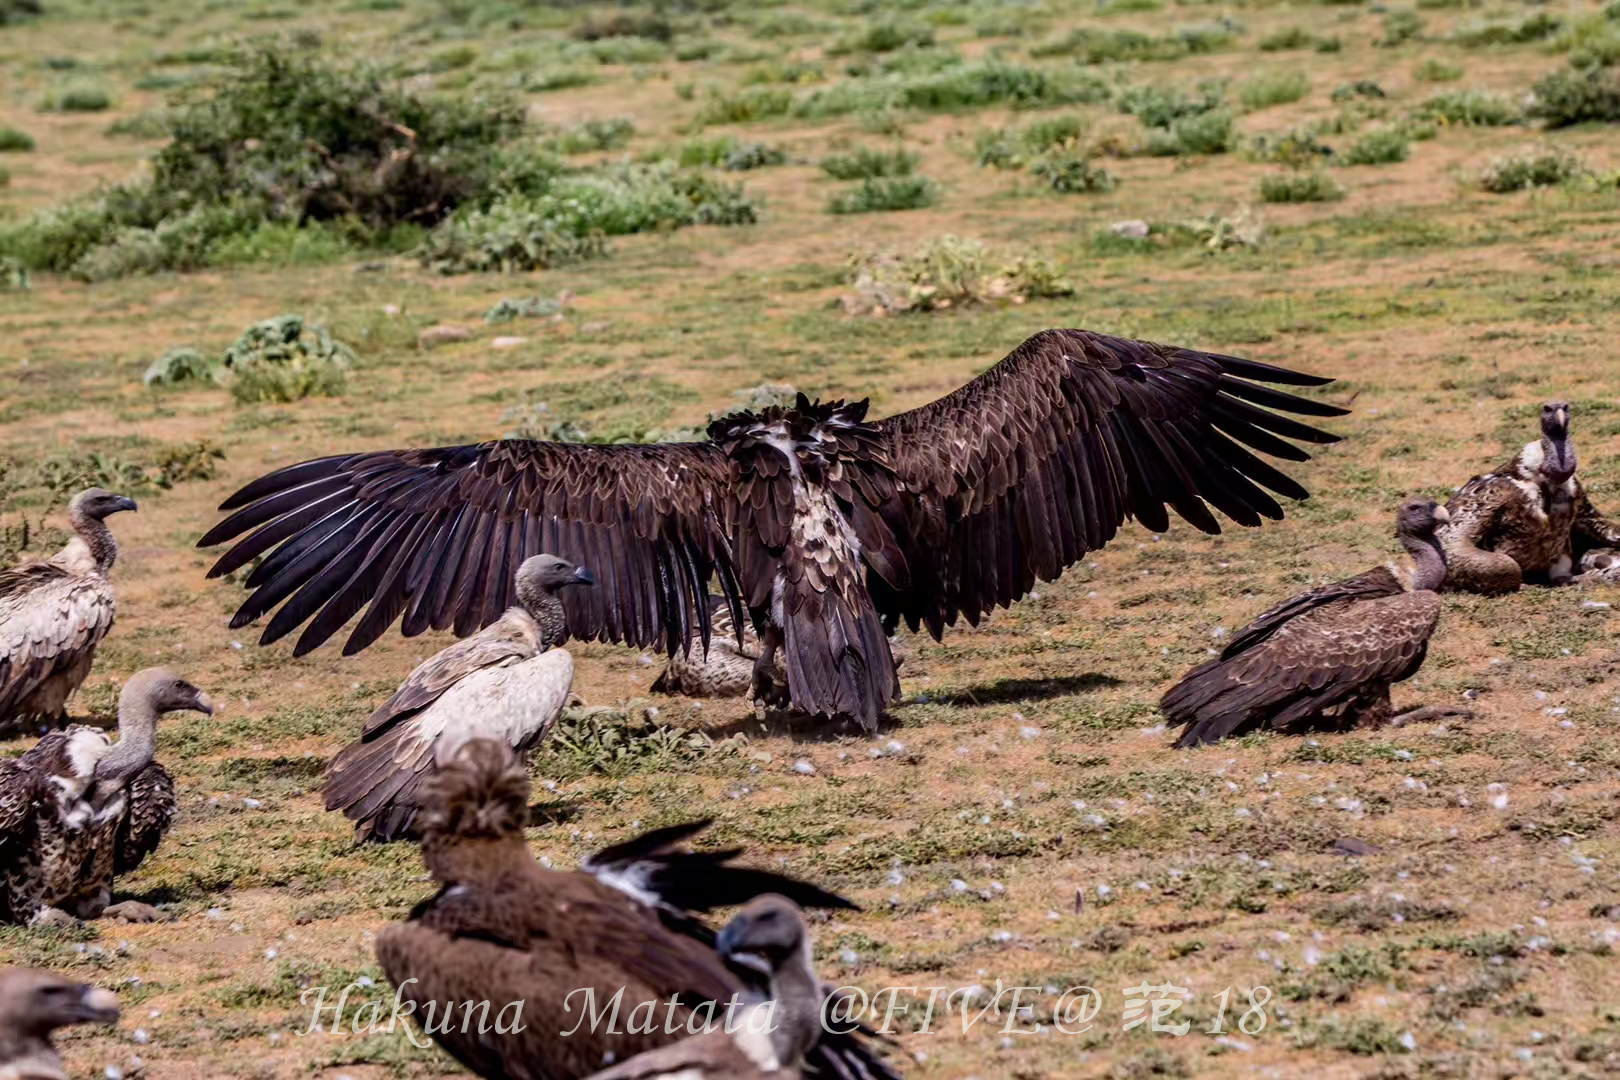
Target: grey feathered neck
[94, 532]
[546, 609]
[1557, 457]
[1428, 561]
[137, 735]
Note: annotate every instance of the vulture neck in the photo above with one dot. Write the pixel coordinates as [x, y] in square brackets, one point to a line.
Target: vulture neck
[798, 996]
[1428, 563]
[454, 860]
[137, 741]
[546, 609]
[96, 536]
[1557, 457]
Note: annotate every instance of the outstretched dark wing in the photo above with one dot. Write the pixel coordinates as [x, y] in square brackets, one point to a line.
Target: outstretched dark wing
[1019, 473]
[436, 536]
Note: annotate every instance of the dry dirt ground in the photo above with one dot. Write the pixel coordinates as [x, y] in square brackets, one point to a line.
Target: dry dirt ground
[1027, 767]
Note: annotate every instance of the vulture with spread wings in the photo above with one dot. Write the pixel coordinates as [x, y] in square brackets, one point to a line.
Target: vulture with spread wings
[825, 528]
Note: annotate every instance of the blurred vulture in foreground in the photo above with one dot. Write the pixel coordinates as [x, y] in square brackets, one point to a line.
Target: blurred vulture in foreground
[33, 1004]
[824, 529]
[1529, 520]
[776, 1022]
[1326, 658]
[76, 810]
[54, 613]
[510, 681]
[552, 947]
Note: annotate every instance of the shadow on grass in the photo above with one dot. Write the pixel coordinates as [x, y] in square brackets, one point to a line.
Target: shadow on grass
[1007, 691]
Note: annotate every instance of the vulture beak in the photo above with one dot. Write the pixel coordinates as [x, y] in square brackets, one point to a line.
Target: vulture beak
[98, 1006]
[1442, 515]
[751, 961]
[124, 502]
[729, 943]
[582, 576]
[203, 704]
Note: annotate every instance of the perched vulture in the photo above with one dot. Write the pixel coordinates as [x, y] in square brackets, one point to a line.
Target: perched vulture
[1529, 520]
[1327, 657]
[726, 670]
[33, 1004]
[76, 810]
[509, 681]
[828, 528]
[54, 613]
[772, 1028]
[503, 930]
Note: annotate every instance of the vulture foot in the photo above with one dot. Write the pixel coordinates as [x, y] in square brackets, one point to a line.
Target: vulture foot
[1425, 713]
[135, 912]
[53, 917]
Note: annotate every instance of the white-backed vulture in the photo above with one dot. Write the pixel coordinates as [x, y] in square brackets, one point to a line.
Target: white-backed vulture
[1326, 658]
[76, 809]
[1529, 520]
[774, 1026]
[504, 930]
[829, 529]
[510, 681]
[54, 613]
[33, 1004]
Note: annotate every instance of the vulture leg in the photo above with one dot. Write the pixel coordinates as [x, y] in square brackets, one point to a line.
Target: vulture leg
[133, 911]
[90, 905]
[1425, 713]
[1371, 712]
[768, 690]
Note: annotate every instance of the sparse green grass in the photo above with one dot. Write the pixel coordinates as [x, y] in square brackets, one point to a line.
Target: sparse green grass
[1274, 88]
[1386, 146]
[1537, 168]
[1300, 187]
[875, 194]
[865, 162]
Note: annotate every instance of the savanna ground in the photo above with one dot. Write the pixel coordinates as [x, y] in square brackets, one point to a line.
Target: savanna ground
[1027, 764]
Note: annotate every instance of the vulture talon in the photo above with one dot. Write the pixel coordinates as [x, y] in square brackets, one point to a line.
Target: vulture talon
[133, 911]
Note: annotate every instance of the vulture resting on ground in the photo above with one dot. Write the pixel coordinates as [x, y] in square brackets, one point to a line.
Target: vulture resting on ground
[33, 1004]
[76, 810]
[775, 1024]
[1529, 520]
[1327, 657]
[510, 681]
[54, 613]
[504, 930]
[824, 529]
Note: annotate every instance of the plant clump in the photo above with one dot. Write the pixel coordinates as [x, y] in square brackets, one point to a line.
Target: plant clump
[945, 272]
[1547, 167]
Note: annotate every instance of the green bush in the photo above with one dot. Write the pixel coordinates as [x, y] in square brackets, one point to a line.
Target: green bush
[1274, 88]
[1360, 89]
[1012, 148]
[988, 82]
[1385, 146]
[1289, 38]
[882, 193]
[746, 105]
[1591, 41]
[652, 25]
[593, 135]
[1539, 168]
[1207, 133]
[1537, 27]
[13, 140]
[179, 366]
[1094, 46]
[884, 37]
[282, 359]
[1436, 71]
[1574, 97]
[1160, 106]
[511, 236]
[1295, 149]
[1071, 172]
[864, 162]
[946, 272]
[1299, 188]
[729, 153]
[79, 99]
[1399, 28]
[1473, 108]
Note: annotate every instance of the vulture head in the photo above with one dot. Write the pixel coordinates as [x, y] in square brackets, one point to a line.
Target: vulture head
[1418, 518]
[159, 691]
[766, 936]
[480, 793]
[34, 1003]
[96, 504]
[1557, 450]
[542, 575]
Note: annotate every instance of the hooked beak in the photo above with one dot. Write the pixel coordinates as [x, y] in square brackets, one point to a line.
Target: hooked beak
[1442, 515]
[751, 961]
[203, 704]
[124, 502]
[98, 1006]
[582, 576]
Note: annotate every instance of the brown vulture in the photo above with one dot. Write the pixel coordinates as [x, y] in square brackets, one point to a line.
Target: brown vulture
[828, 528]
[76, 810]
[33, 1004]
[783, 1014]
[54, 613]
[1325, 658]
[1529, 520]
[552, 947]
[510, 681]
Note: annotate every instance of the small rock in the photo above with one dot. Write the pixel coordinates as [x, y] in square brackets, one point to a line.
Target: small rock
[1135, 229]
[511, 342]
[443, 334]
[804, 768]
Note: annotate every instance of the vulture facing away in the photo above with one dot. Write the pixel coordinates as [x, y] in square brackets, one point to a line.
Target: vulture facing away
[782, 1020]
[33, 1004]
[54, 613]
[826, 528]
[502, 930]
[510, 681]
[76, 810]
[1529, 520]
[1325, 658]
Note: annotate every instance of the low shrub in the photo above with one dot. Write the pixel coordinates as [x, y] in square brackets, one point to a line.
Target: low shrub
[882, 193]
[1071, 172]
[1364, 89]
[1386, 146]
[1296, 149]
[747, 105]
[179, 366]
[1399, 28]
[653, 25]
[512, 235]
[78, 99]
[1431, 70]
[1563, 98]
[968, 86]
[593, 135]
[1286, 39]
[1161, 106]
[883, 37]
[1539, 26]
[283, 359]
[1274, 88]
[729, 153]
[13, 140]
[1530, 169]
[864, 162]
[1012, 148]
[945, 272]
[1093, 46]
[1207, 133]
[1473, 108]
[1300, 187]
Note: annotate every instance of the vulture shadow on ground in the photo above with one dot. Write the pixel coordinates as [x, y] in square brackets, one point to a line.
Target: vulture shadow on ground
[1008, 691]
[799, 727]
[552, 813]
